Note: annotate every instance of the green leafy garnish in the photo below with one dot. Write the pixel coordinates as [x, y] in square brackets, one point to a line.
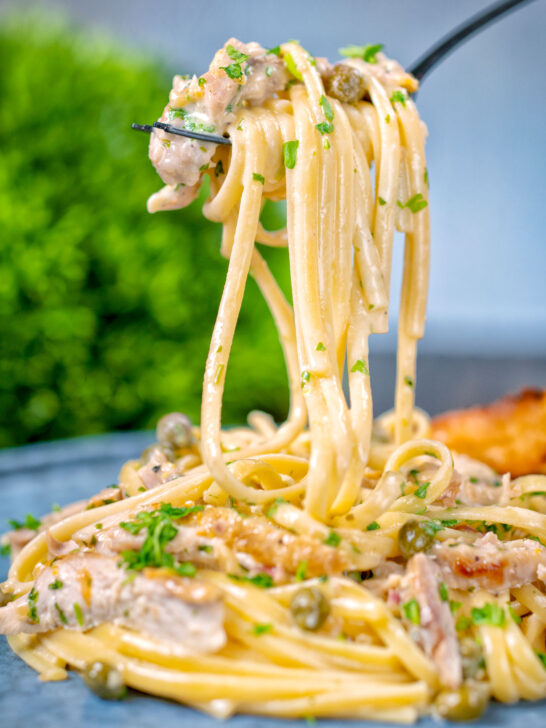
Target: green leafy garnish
[490, 614]
[301, 571]
[360, 366]
[62, 615]
[411, 611]
[373, 526]
[30, 522]
[414, 204]
[325, 127]
[205, 547]
[32, 609]
[381, 201]
[290, 151]
[542, 657]
[78, 614]
[269, 71]
[515, 616]
[262, 628]
[320, 347]
[219, 169]
[305, 377]
[291, 66]
[333, 539]
[235, 55]
[57, 584]
[5, 549]
[264, 581]
[421, 491]
[463, 623]
[367, 52]
[443, 591]
[399, 96]
[327, 108]
[258, 177]
[276, 51]
[408, 381]
[273, 507]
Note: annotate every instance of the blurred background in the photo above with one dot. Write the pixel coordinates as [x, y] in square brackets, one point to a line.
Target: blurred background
[106, 311]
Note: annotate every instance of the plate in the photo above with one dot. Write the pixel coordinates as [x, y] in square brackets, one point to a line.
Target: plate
[34, 477]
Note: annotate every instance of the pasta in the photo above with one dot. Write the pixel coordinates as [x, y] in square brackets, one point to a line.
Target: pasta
[333, 565]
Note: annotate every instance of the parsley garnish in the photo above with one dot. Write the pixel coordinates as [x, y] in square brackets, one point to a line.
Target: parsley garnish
[202, 81]
[367, 52]
[291, 67]
[320, 347]
[264, 581]
[421, 491]
[301, 571]
[515, 616]
[327, 108]
[32, 609]
[411, 611]
[235, 55]
[360, 366]
[273, 508]
[219, 169]
[218, 375]
[443, 591]
[78, 614]
[289, 151]
[399, 96]
[269, 71]
[408, 381]
[490, 613]
[5, 549]
[305, 377]
[454, 606]
[325, 127]
[373, 526]
[258, 177]
[463, 623]
[30, 522]
[57, 584]
[381, 201]
[262, 628]
[62, 615]
[276, 51]
[161, 530]
[333, 539]
[414, 204]
[206, 547]
[542, 657]
[432, 527]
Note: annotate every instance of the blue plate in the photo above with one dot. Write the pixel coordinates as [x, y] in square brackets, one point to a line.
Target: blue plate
[34, 477]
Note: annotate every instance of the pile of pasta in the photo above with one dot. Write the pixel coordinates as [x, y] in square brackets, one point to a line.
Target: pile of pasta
[329, 469]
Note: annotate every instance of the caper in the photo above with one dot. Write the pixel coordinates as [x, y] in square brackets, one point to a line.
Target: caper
[309, 608]
[104, 681]
[413, 537]
[466, 703]
[346, 84]
[174, 431]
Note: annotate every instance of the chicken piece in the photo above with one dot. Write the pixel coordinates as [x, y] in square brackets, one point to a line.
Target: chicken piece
[157, 470]
[509, 434]
[436, 629]
[239, 74]
[489, 563]
[86, 589]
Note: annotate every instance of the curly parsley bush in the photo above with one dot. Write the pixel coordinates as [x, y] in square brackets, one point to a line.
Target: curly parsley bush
[105, 311]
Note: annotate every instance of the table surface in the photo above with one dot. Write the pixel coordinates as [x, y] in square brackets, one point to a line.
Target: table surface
[31, 479]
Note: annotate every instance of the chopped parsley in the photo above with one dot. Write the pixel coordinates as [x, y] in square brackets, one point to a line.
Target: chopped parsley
[290, 151]
[30, 522]
[258, 177]
[264, 581]
[408, 381]
[542, 657]
[360, 366]
[414, 204]
[373, 526]
[463, 623]
[399, 96]
[421, 491]
[218, 374]
[219, 169]
[381, 201]
[205, 547]
[5, 549]
[333, 539]
[273, 507]
[301, 571]
[432, 527]
[160, 531]
[57, 584]
[411, 611]
[268, 71]
[275, 51]
[443, 591]
[320, 347]
[515, 616]
[490, 614]
[305, 377]
[78, 614]
[202, 81]
[454, 606]
[327, 108]
[426, 176]
[291, 66]
[62, 615]
[32, 609]
[325, 127]
[367, 53]
[235, 55]
[259, 629]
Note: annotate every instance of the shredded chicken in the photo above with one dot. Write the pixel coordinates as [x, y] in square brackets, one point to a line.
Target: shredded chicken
[436, 630]
[157, 470]
[83, 590]
[509, 434]
[489, 563]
